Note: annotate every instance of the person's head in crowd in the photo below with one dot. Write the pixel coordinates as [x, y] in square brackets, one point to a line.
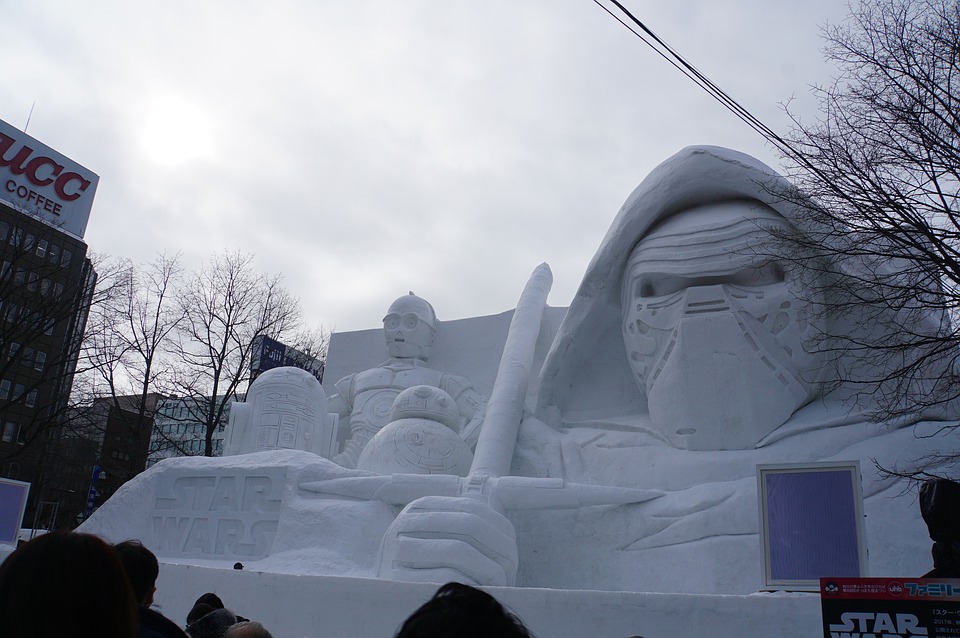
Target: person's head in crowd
[461, 611]
[212, 625]
[247, 629]
[66, 584]
[199, 611]
[142, 569]
[211, 599]
[205, 604]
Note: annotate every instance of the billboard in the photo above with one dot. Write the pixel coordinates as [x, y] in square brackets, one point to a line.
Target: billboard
[894, 607]
[269, 353]
[13, 502]
[37, 180]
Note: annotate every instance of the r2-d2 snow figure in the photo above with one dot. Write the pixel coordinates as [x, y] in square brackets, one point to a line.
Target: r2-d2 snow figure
[286, 409]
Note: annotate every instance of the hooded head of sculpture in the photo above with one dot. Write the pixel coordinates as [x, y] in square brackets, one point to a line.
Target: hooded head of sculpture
[410, 327]
[716, 328]
[686, 323]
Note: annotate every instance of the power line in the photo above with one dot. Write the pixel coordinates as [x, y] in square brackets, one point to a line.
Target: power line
[668, 53]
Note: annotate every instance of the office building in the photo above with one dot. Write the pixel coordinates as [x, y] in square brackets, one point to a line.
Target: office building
[179, 429]
[46, 287]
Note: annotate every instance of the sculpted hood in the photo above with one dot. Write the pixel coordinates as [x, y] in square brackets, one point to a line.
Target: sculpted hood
[586, 370]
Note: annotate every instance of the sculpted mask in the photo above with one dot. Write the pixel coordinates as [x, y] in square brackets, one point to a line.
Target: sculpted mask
[714, 328]
[410, 327]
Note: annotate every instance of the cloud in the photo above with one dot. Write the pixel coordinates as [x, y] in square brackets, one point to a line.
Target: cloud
[365, 149]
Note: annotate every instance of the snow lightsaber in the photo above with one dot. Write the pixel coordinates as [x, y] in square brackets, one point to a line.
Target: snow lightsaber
[509, 492]
[488, 480]
[498, 436]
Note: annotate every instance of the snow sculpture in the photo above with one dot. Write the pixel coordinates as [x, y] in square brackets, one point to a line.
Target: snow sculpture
[363, 400]
[679, 367]
[630, 465]
[422, 437]
[286, 409]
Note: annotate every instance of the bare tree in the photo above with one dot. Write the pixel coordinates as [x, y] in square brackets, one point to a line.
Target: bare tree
[225, 306]
[310, 349]
[128, 334]
[127, 338]
[879, 174]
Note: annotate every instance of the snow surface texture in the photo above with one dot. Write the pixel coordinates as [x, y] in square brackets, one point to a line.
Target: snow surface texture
[587, 422]
[317, 607]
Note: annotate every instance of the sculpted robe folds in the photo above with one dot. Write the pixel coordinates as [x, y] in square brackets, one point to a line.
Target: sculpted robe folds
[682, 363]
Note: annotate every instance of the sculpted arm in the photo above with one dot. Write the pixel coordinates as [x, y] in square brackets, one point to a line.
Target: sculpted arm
[341, 404]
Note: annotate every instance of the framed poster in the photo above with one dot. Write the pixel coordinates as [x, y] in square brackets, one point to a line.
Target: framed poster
[13, 502]
[811, 524]
[904, 607]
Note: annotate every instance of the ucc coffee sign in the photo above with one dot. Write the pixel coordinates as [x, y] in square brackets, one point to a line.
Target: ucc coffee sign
[37, 179]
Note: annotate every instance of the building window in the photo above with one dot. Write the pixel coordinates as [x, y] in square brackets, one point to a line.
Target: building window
[16, 237]
[57, 290]
[48, 328]
[18, 276]
[67, 256]
[14, 347]
[18, 391]
[9, 429]
[5, 269]
[32, 281]
[4, 231]
[5, 389]
[27, 357]
[21, 435]
[28, 245]
[44, 287]
[31, 398]
[54, 254]
[42, 248]
[40, 361]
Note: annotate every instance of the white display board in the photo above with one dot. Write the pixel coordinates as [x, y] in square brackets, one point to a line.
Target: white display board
[13, 503]
[811, 523]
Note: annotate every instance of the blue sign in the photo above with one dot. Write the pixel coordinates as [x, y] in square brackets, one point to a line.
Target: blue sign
[98, 474]
[272, 354]
[269, 353]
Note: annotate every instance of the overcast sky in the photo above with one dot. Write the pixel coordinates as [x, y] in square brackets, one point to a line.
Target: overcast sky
[367, 148]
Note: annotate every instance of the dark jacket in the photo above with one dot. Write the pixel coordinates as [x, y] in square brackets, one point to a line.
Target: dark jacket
[153, 624]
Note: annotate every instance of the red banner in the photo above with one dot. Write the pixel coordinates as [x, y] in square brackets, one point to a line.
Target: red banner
[890, 607]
